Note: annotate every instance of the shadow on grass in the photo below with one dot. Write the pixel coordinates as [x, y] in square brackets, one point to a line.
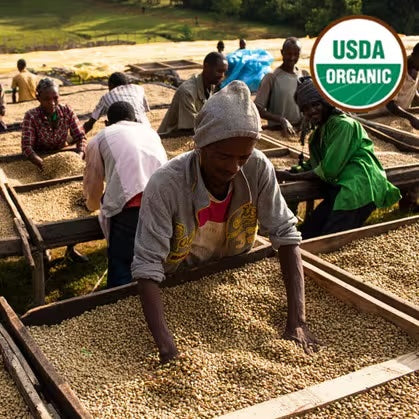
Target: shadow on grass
[64, 279]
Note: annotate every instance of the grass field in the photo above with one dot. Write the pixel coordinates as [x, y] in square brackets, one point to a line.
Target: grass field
[28, 25]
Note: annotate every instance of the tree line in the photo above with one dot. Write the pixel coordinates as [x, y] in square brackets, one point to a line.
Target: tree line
[314, 15]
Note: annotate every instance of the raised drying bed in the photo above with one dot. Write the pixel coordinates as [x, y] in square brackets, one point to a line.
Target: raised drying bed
[13, 237]
[228, 328]
[53, 200]
[385, 147]
[381, 260]
[54, 212]
[403, 140]
[20, 171]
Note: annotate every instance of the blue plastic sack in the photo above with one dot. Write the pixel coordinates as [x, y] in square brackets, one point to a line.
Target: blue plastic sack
[248, 65]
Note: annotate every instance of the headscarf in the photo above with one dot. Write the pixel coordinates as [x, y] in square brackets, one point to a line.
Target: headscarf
[307, 93]
[228, 113]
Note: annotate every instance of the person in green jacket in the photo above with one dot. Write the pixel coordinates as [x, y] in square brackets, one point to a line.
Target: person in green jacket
[342, 156]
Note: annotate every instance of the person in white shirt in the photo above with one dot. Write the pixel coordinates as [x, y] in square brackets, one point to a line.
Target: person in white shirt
[124, 155]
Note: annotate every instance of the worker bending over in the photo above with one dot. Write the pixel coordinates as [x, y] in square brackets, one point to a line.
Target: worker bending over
[342, 156]
[191, 96]
[120, 90]
[123, 155]
[46, 128]
[275, 96]
[207, 204]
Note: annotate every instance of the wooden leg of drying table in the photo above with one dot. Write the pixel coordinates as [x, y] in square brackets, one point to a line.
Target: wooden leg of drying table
[38, 278]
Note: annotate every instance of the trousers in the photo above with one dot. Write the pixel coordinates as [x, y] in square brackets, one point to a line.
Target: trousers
[323, 220]
[123, 227]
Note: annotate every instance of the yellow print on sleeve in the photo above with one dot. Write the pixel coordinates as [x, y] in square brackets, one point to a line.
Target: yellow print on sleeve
[180, 244]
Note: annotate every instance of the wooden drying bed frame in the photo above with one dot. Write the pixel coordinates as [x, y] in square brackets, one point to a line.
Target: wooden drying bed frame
[16, 245]
[20, 157]
[329, 243]
[10, 246]
[55, 234]
[298, 402]
[158, 66]
[403, 140]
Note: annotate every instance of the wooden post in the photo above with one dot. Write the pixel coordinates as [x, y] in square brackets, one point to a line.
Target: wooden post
[23, 382]
[38, 277]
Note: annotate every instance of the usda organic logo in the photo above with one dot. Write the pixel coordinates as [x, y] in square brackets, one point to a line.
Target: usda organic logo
[358, 63]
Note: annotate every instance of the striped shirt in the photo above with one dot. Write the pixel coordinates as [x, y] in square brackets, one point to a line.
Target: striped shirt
[130, 93]
[39, 134]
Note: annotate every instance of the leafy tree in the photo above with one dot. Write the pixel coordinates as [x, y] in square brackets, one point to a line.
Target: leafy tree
[324, 12]
[226, 7]
[402, 15]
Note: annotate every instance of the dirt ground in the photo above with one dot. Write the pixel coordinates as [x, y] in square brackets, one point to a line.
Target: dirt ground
[115, 58]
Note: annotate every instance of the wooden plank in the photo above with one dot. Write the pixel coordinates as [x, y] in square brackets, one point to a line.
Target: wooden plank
[276, 152]
[322, 394]
[401, 173]
[382, 295]
[21, 157]
[183, 64]
[67, 402]
[11, 158]
[332, 242]
[46, 183]
[162, 106]
[38, 277]
[57, 312]
[302, 190]
[156, 66]
[6, 195]
[398, 134]
[38, 271]
[30, 225]
[404, 177]
[11, 246]
[361, 300]
[68, 232]
[14, 245]
[26, 248]
[22, 381]
[293, 151]
[389, 139]
[20, 357]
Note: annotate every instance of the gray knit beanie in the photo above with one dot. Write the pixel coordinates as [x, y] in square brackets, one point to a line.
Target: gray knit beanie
[307, 93]
[229, 113]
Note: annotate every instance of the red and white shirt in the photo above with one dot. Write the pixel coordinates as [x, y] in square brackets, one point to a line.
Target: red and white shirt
[210, 239]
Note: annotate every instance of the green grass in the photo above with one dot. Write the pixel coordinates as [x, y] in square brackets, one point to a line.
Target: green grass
[26, 24]
[64, 279]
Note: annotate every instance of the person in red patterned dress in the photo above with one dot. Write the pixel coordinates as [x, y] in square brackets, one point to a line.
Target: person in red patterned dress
[46, 128]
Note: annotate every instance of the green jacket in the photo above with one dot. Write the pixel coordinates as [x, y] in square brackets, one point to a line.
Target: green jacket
[342, 154]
